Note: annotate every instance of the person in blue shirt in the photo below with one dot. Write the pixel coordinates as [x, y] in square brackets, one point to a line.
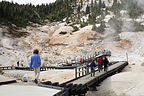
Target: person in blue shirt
[92, 66]
[35, 63]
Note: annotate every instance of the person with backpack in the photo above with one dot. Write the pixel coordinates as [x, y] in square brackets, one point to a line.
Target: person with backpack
[92, 66]
[35, 63]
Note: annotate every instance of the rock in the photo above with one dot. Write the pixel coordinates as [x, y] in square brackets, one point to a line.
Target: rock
[4, 30]
[24, 79]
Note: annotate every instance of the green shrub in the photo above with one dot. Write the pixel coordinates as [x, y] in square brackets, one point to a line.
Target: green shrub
[138, 27]
[117, 38]
[99, 29]
[83, 25]
[75, 28]
[94, 27]
[63, 33]
[67, 20]
[74, 23]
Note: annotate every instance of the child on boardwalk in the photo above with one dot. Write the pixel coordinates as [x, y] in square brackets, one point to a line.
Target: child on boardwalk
[92, 65]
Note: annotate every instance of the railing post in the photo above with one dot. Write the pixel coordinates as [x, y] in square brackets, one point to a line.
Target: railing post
[127, 56]
[79, 71]
[82, 71]
[76, 72]
[75, 59]
[87, 69]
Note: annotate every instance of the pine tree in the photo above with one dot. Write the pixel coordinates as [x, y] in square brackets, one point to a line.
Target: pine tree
[87, 9]
[78, 9]
[81, 1]
[91, 5]
[103, 5]
[100, 6]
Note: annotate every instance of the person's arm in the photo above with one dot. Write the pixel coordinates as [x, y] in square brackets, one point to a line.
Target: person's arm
[39, 61]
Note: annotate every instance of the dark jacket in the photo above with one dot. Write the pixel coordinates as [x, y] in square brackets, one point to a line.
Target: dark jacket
[105, 62]
[92, 65]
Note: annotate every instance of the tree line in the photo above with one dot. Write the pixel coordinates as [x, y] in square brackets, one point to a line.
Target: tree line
[22, 15]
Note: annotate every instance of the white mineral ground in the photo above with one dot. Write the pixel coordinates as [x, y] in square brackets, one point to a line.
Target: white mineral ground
[60, 76]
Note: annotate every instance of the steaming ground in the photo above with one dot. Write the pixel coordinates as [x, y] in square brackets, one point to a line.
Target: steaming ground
[130, 81]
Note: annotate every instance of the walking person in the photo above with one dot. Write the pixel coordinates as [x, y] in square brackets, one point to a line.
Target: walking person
[105, 63]
[93, 66]
[17, 63]
[35, 63]
[99, 62]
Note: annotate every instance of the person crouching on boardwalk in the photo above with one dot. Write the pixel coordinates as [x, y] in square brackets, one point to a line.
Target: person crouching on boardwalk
[105, 63]
[99, 62]
[93, 66]
[35, 63]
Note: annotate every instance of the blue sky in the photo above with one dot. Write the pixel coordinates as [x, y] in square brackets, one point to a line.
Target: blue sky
[34, 2]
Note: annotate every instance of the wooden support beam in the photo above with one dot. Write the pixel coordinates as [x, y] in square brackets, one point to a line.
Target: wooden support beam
[76, 72]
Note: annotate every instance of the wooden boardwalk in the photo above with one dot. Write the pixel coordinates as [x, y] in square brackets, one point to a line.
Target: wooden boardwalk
[80, 85]
[88, 79]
